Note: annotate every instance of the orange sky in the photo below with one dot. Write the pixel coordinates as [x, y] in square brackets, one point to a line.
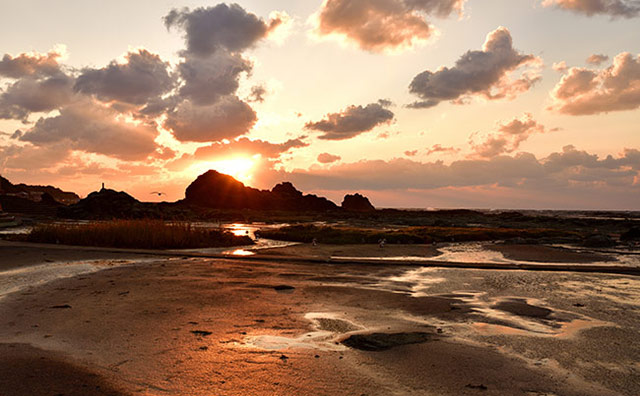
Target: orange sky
[448, 103]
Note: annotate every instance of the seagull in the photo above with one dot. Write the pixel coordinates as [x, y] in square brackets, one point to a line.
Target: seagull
[158, 193]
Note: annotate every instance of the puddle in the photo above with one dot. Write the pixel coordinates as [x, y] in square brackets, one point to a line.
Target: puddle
[523, 316]
[416, 282]
[475, 252]
[328, 328]
[242, 252]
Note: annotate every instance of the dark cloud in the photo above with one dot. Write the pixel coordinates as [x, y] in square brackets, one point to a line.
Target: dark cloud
[507, 136]
[33, 64]
[326, 158]
[257, 94]
[228, 118]
[93, 128]
[141, 78]
[224, 26]
[208, 79]
[483, 73]
[378, 25]
[352, 121]
[613, 8]
[583, 91]
[32, 94]
[597, 59]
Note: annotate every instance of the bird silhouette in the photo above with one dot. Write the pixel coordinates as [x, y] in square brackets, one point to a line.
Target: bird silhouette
[158, 193]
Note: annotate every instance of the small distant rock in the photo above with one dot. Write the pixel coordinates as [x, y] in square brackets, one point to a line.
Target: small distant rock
[383, 341]
[283, 287]
[357, 203]
[202, 333]
[481, 387]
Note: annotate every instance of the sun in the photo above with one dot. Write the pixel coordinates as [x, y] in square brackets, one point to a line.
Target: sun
[240, 168]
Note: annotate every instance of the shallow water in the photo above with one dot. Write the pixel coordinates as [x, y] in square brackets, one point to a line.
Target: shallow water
[475, 252]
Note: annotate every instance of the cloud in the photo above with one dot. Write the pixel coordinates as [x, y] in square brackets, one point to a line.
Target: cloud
[584, 91]
[613, 8]
[228, 118]
[257, 94]
[352, 121]
[208, 79]
[507, 136]
[568, 170]
[33, 94]
[206, 107]
[247, 147]
[33, 64]
[411, 153]
[326, 158]
[597, 59]
[141, 78]
[438, 148]
[93, 128]
[486, 73]
[380, 25]
[229, 27]
[30, 157]
[560, 66]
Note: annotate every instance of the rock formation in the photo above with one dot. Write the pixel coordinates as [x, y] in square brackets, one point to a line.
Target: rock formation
[219, 191]
[357, 203]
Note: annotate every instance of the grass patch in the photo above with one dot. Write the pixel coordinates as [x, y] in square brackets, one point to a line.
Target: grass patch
[136, 234]
[409, 235]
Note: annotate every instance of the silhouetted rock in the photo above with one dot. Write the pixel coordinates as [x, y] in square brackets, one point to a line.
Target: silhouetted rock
[36, 193]
[357, 203]
[17, 204]
[219, 191]
[104, 204]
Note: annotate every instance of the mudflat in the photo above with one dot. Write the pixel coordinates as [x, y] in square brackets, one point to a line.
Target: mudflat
[176, 326]
[547, 254]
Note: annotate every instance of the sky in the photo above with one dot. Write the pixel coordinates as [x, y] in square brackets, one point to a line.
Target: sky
[526, 104]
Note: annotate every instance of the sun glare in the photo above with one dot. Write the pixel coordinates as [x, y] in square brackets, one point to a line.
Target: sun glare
[239, 168]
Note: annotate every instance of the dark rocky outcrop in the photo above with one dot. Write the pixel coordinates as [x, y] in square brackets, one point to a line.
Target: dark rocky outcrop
[357, 203]
[104, 204]
[219, 191]
[47, 206]
[36, 193]
[382, 341]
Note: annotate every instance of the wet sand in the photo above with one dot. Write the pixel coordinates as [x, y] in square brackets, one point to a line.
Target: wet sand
[326, 251]
[212, 326]
[547, 254]
[16, 255]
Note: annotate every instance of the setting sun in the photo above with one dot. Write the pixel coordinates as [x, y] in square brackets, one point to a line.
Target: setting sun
[239, 168]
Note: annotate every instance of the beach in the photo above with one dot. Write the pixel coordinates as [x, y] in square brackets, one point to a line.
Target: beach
[200, 326]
